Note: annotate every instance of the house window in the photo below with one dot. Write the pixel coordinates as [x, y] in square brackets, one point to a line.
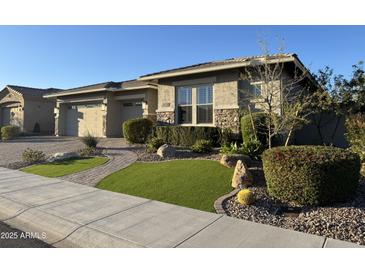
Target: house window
[204, 104]
[184, 105]
[195, 104]
[256, 89]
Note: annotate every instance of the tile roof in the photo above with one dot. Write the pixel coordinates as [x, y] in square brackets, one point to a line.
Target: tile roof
[213, 64]
[36, 92]
[130, 84]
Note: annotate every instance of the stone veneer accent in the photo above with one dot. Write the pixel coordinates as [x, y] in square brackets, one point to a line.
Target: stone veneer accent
[227, 118]
[166, 117]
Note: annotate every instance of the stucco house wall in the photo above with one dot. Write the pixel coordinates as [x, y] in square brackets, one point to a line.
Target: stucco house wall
[27, 110]
[225, 97]
[41, 112]
[111, 101]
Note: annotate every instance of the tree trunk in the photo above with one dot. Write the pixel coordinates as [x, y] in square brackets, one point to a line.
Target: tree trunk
[288, 137]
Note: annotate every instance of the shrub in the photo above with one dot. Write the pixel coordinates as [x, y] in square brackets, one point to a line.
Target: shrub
[9, 132]
[31, 156]
[137, 130]
[89, 152]
[186, 136]
[245, 197]
[154, 143]
[230, 149]
[226, 137]
[90, 140]
[355, 134]
[311, 175]
[252, 148]
[259, 120]
[202, 146]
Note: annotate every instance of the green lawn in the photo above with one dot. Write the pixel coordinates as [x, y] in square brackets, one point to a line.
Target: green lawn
[191, 183]
[66, 167]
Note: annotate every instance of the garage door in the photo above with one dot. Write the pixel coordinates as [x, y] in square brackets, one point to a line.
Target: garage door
[10, 116]
[5, 116]
[131, 110]
[84, 119]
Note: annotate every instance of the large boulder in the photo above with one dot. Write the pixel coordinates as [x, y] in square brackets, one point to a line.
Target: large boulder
[231, 160]
[241, 175]
[59, 156]
[166, 151]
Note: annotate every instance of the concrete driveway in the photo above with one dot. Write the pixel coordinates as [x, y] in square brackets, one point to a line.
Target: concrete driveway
[11, 151]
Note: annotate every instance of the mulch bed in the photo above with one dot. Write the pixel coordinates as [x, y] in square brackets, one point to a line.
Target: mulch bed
[343, 221]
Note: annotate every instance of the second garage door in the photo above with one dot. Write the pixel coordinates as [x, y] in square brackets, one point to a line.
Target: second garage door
[84, 119]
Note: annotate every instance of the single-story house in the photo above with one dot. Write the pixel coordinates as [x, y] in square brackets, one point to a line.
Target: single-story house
[215, 94]
[100, 109]
[25, 107]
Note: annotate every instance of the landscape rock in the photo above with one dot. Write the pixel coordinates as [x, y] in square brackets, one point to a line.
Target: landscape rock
[231, 160]
[241, 175]
[166, 151]
[59, 156]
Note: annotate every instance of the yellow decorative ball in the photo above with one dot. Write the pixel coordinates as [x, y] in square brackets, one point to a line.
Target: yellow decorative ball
[245, 197]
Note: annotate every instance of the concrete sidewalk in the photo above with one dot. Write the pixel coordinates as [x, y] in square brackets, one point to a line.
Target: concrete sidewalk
[74, 215]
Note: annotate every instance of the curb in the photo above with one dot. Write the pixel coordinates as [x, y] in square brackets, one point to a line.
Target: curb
[218, 204]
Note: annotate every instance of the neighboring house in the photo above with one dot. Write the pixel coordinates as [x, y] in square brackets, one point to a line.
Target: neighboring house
[25, 107]
[101, 109]
[210, 94]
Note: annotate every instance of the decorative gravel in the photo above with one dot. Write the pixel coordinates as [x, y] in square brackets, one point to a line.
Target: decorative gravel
[144, 156]
[343, 221]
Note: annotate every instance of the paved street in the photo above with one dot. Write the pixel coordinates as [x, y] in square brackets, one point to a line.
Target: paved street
[11, 238]
[75, 215]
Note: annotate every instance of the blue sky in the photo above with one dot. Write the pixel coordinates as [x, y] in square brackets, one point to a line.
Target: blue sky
[70, 56]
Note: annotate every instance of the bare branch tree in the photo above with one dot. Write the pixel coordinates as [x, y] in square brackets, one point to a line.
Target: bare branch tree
[282, 94]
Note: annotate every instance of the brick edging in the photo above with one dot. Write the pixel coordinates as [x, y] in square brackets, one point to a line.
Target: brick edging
[218, 204]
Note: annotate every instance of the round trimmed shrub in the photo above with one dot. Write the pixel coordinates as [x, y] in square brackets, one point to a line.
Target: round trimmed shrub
[9, 132]
[311, 175]
[137, 130]
[259, 120]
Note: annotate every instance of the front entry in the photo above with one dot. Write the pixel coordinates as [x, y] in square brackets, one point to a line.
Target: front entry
[130, 110]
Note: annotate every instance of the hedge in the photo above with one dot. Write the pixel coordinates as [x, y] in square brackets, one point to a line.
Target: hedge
[9, 132]
[187, 136]
[137, 130]
[355, 134]
[311, 175]
[259, 119]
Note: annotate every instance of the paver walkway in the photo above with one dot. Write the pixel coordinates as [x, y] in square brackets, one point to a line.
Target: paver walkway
[74, 215]
[118, 159]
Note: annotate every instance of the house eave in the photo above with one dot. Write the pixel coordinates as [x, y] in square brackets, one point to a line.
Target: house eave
[66, 93]
[209, 69]
[135, 88]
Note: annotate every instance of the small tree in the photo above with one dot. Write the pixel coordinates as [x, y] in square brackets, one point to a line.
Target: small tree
[283, 93]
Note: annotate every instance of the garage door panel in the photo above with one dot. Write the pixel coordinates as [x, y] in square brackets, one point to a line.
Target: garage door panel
[85, 119]
[11, 116]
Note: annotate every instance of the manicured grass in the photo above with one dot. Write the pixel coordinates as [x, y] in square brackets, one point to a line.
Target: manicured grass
[66, 167]
[191, 183]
